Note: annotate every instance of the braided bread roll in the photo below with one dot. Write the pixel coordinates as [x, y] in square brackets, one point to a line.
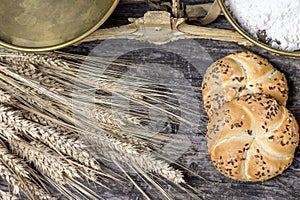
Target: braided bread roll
[239, 74]
[252, 138]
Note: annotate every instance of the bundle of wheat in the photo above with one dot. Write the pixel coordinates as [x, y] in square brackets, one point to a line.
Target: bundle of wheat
[52, 136]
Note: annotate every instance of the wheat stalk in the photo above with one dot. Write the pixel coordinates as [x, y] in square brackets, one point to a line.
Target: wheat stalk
[103, 81]
[163, 168]
[114, 143]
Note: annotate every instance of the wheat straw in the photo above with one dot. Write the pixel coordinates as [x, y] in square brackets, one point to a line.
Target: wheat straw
[104, 82]
[44, 82]
[158, 166]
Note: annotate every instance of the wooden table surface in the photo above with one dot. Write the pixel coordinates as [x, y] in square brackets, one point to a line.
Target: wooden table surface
[215, 185]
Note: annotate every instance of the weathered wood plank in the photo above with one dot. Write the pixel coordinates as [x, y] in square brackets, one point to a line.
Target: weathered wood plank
[215, 186]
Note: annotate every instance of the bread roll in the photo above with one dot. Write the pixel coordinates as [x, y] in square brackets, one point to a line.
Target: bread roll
[238, 74]
[252, 138]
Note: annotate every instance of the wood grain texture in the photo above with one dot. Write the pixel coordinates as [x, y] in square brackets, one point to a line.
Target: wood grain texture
[215, 185]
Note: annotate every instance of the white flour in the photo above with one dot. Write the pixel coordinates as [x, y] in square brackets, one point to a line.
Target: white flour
[280, 19]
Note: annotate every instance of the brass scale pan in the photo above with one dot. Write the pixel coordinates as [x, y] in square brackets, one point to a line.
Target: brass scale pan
[43, 25]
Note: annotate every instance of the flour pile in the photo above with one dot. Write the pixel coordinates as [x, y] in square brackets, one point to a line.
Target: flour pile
[278, 20]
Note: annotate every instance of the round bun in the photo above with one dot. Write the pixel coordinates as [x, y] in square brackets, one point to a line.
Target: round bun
[239, 74]
[252, 138]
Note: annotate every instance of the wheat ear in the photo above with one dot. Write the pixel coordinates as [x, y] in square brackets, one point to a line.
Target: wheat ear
[116, 119]
[11, 178]
[125, 152]
[65, 142]
[159, 166]
[45, 160]
[39, 192]
[54, 61]
[13, 162]
[29, 115]
[63, 149]
[32, 59]
[105, 118]
[4, 96]
[36, 75]
[35, 99]
[21, 170]
[8, 196]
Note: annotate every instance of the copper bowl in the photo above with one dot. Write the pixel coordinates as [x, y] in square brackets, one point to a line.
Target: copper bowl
[249, 37]
[41, 25]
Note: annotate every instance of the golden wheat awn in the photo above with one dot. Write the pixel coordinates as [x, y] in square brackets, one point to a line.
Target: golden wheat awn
[70, 69]
[45, 84]
[38, 100]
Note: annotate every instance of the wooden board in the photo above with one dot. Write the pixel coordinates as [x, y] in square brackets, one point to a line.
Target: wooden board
[216, 186]
[192, 68]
